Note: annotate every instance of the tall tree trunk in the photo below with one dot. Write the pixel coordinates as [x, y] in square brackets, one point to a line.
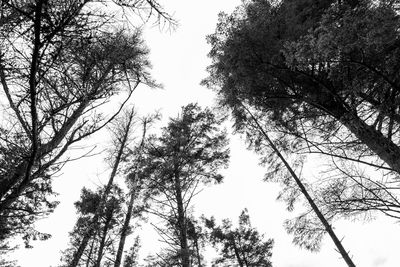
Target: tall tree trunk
[304, 191]
[33, 134]
[124, 231]
[382, 146]
[33, 84]
[94, 223]
[103, 239]
[125, 227]
[86, 237]
[181, 223]
[90, 255]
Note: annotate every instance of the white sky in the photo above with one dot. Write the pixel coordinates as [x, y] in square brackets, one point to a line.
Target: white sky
[179, 61]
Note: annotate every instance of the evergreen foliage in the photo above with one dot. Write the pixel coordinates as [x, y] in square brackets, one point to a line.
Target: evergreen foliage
[188, 153]
[243, 246]
[323, 77]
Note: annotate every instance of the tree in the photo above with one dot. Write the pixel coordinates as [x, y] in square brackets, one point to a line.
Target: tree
[308, 234]
[318, 95]
[198, 238]
[121, 152]
[109, 224]
[59, 61]
[372, 96]
[137, 190]
[188, 153]
[122, 131]
[296, 80]
[242, 246]
[104, 237]
[310, 75]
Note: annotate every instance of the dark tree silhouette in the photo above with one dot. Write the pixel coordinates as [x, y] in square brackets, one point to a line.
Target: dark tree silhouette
[100, 234]
[102, 243]
[321, 85]
[312, 77]
[59, 61]
[138, 193]
[323, 88]
[188, 153]
[122, 131]
[242, 246]
[198, 239]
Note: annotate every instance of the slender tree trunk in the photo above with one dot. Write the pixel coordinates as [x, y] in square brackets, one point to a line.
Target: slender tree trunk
[304, 191]
[196, 244]
[125, 227]
[182, 223]
[124, 231]
[90, 254]
[237, 254]
[103, 239]
[88, 234]
[32, 88]
[94, 223]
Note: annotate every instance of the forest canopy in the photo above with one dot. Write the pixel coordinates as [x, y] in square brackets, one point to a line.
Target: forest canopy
[312, 88]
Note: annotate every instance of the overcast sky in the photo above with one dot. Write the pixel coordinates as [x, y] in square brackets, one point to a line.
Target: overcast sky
[179, 60]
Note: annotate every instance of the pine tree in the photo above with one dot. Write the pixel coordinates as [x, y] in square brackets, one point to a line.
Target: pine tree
[243, 246]
[101, 245]
[188, 153]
